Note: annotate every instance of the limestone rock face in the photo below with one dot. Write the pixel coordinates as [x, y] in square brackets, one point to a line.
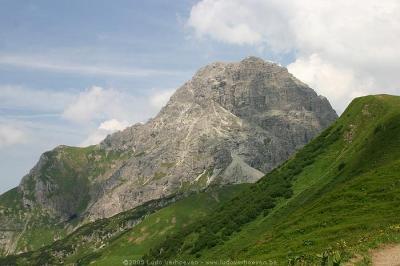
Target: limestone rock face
[231, 123]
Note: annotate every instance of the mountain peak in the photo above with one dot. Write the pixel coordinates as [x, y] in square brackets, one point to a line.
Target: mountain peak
[249, 87]
[231, 123]
[250, 61]
[254, 60]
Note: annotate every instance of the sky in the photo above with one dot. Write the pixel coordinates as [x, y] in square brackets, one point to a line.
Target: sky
[73, 71]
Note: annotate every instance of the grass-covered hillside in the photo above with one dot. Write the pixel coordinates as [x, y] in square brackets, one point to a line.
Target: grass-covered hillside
[51, 198]
[128, 235]
[336, 198]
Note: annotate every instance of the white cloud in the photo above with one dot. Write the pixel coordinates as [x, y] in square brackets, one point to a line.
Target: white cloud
[11, 135]
[112, 109]
[343, 48]
[99, 104]
[105, 128]
[93, 103]
[113, 125]
[160, 98]
[223, 29]
[242, 22]
[339, 83]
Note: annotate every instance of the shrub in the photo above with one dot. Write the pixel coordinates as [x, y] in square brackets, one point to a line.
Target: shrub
[341, 166]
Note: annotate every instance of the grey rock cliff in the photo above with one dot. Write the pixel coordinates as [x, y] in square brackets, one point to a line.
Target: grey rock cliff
[231, 123]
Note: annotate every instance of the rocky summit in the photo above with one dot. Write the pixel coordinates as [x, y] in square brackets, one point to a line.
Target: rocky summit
[231, 123]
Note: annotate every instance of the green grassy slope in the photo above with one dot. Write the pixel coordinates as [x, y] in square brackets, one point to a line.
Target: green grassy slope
[70, 172]
[128, 235]
[153, 230]
[67, 173]
[26, 228]
[338, 196]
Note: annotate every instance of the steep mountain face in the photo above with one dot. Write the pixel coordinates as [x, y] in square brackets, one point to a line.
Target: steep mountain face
[152, 220]
[331, 202]
[230, 124]
[337, 198]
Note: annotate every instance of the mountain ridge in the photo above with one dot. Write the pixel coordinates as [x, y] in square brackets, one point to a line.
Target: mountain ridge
[197, 117]
[333, 200]
[231, 123]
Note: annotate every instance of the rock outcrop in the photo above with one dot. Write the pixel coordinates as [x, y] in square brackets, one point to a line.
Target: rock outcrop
[231, 123]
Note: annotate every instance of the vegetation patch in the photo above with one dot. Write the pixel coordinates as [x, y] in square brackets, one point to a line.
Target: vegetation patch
[337, 197]
[159, 175]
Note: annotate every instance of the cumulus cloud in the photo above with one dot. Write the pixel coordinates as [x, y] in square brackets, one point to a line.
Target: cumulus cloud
[94, 112]
[11, 135]
[338, 83]
[113, 109]
[92, 103]
[160, 98]
[105, 128]
[97, 104]
[343, 48]
[113, 125]
[242, 22]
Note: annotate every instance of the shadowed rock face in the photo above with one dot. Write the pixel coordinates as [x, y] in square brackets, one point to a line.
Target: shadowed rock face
[231, 123]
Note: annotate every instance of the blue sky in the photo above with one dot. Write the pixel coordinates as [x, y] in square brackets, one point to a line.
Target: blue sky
[73, 71]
